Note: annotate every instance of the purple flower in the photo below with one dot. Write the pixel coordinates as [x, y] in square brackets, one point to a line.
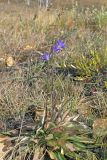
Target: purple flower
[46, 57]
[60, 43]
[56, 48]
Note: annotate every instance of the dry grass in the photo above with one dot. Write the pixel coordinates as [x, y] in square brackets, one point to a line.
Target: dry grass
[26, 33]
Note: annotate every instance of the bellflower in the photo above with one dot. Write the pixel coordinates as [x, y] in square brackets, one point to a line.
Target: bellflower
[46, 56]
[59, 45]
[56, 48]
